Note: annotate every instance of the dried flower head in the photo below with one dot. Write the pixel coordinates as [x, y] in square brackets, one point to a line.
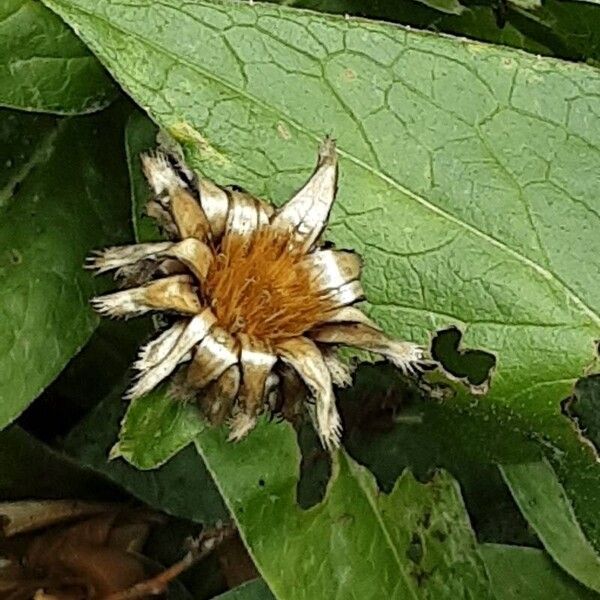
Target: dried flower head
[259, 303]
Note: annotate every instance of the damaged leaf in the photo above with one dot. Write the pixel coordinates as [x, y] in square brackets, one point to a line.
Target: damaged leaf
[472, 367]
[584, 408]
[391, 426]
[479, 165]
[415, 542]
[412, 536]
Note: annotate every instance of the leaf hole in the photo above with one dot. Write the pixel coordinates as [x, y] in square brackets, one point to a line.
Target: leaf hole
[15, 257]
[414, 551]
[315, 468]
[472, 366]
[583, 409]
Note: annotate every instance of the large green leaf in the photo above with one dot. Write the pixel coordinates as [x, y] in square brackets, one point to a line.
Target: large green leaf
[542, 500]
[466, 171]
[520, 573]
[415, 542]
[63, 193]
[44, 66]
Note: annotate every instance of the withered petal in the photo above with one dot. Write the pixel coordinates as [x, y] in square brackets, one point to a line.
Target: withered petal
[175, 293]
[271, 391]
[160, 173]
[195, 331]
[404, 355]
[157, 349]
[246, 213]
[108, 259]
[194, 254]
[350, 314]
[304, 356]
[188, 215]
[340, 371]
[306, 213]
[347, 293]
[240, 425]
[217, 352]
[215, 203]
[217, 398]
[257, 360]
[292, 393]
[155, 210]
[331, 269]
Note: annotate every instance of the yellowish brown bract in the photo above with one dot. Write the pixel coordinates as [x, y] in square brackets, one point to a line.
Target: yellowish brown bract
[259, 285]
[259, 303]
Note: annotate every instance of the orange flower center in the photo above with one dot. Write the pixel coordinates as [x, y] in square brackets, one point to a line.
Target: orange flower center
[260, 286]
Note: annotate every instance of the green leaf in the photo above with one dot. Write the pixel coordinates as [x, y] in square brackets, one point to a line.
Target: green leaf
[466, 170]
[62, 194]
[577, 25]
[253, 590]
[30, 469]
[415, 542]
[389, 427]
[181, 487]
[44, 67]
[542, 500]
[518, 572]
[155, 428]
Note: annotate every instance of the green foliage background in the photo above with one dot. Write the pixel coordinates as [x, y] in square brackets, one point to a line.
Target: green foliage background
[469, 182]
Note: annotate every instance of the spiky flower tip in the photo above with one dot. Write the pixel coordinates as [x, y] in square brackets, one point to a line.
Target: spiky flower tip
[259, 305]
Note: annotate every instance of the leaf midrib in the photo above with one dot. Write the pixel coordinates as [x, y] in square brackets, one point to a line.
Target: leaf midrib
[44, 147]
[386, 534]
[548, 275]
